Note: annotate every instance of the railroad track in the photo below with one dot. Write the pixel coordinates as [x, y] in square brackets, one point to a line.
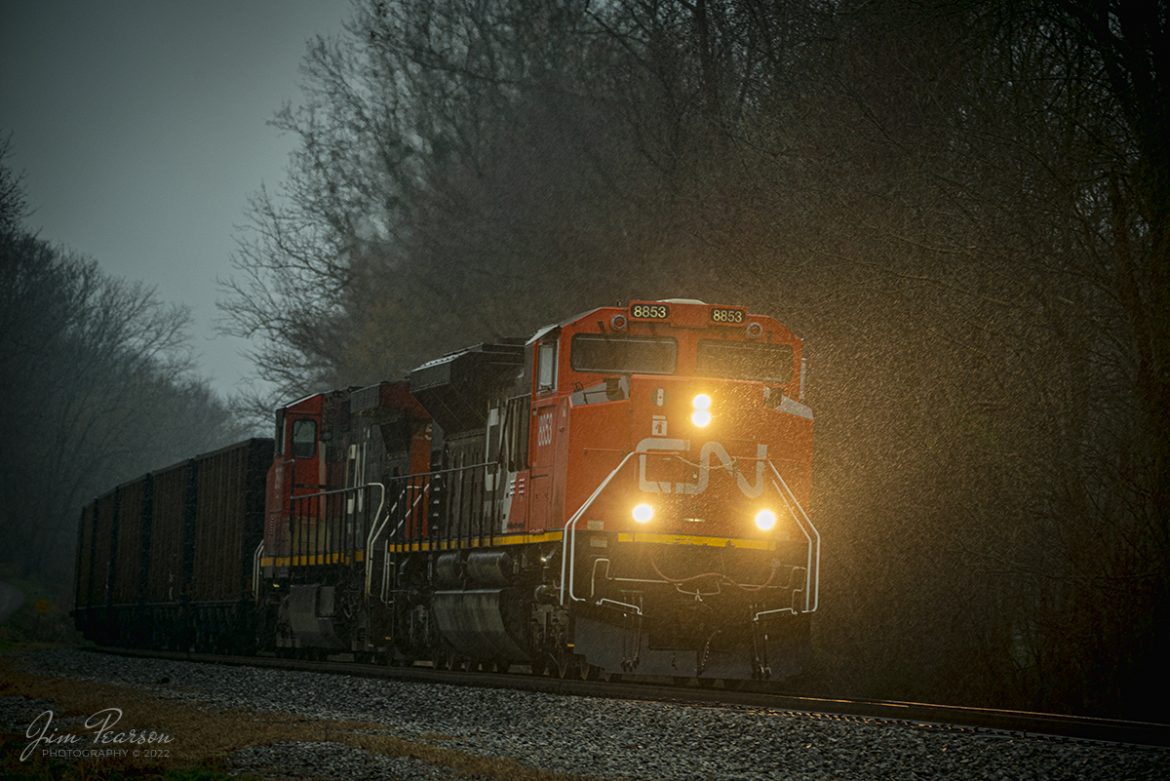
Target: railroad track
[950, 717]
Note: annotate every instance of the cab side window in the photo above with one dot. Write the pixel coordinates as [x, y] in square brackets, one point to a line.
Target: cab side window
[279, 444]
[516, 433]
[304, 438]
[547, 367]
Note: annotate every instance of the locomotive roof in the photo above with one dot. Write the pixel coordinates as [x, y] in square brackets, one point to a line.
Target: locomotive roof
[542, 332]
[507, 341]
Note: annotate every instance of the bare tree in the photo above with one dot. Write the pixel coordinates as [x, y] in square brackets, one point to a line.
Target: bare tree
[962, 206]
[101, 373]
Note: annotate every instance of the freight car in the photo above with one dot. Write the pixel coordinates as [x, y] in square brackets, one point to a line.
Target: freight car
[623, 492]
[163, 560]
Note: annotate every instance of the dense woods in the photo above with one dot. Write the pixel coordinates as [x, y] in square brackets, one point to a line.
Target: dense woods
[99, 388]
[963, 207]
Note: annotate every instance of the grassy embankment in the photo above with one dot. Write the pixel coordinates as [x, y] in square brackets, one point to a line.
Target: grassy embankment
[203, 737]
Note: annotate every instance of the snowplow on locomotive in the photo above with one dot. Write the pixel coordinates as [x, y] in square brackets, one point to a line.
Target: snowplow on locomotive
[624, 492]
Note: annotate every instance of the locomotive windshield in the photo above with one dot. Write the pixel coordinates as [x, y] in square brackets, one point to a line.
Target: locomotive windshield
[745, 361]
[623, 354]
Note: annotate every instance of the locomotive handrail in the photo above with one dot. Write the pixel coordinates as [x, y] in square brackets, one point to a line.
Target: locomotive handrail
[330, 492]
[375, 530]
[812, 570]
[420, 494]
[256, 570]
[386, 558]
[570, 530]
[349, 491]
[464, 468]
[410, 506]
[415, 488]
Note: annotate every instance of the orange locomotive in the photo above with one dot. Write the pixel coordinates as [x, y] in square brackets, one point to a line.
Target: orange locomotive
[625, 492]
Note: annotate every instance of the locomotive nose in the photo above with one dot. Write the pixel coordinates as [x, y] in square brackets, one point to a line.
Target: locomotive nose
[696, 409]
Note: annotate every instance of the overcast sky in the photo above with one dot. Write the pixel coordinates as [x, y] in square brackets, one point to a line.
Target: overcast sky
[141, 129]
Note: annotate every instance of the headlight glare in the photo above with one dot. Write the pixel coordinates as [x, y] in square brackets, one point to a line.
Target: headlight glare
[765, 520]
[643, 513]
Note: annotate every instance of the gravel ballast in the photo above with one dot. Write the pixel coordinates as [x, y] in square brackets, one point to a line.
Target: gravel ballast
[582, 736]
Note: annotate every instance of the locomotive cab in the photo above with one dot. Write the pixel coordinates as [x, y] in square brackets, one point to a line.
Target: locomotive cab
[299, 467]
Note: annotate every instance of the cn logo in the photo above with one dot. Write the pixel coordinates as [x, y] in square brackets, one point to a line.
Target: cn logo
[544, 428]
[709, 451]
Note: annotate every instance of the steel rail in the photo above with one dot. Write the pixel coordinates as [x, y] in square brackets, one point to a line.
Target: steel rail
[954, 717]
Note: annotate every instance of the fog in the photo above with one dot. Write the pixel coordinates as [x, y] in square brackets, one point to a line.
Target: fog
[964, 210]
[141, 128]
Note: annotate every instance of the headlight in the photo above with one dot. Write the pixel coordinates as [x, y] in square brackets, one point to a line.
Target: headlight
[643, 513]
[765, 520]
[701, 417]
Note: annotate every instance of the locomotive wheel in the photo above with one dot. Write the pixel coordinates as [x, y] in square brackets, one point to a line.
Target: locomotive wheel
[392, 659]
[440, 659]
[567, 667]
[539, 666]
[589, 672]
